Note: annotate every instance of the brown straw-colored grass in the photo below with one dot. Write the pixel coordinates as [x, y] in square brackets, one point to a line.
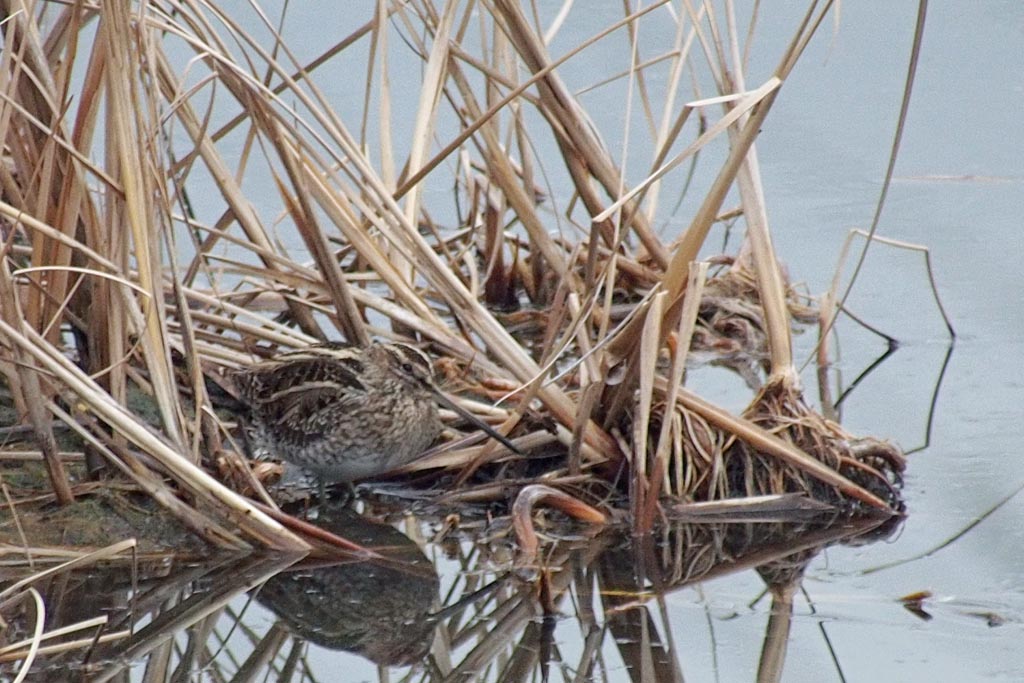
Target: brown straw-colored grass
[136, 261]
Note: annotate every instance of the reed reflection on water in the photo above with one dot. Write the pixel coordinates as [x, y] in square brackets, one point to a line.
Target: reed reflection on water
[590, 606]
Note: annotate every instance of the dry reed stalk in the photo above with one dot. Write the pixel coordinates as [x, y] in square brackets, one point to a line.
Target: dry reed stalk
[32, 94]
[145, 316]
[674, 279]
[568, 116]
[640, 483]
[127, 132]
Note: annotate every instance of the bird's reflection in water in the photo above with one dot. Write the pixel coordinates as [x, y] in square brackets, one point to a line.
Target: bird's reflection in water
[377, 609]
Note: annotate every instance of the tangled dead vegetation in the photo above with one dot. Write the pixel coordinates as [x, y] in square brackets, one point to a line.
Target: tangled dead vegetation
[564, 315]
[875, 466]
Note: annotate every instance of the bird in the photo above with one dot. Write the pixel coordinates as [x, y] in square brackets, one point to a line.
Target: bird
[381, 609]
[345, 412]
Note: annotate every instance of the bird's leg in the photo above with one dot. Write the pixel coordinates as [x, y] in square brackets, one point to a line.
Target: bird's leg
[347, 494]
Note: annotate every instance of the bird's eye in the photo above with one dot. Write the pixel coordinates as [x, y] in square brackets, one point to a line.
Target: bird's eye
[407, 367]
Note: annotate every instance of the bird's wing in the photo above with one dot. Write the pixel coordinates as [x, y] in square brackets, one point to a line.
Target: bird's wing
[301, 387]
[303, 402]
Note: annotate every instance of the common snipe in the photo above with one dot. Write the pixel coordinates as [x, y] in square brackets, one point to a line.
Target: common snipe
[345, 412]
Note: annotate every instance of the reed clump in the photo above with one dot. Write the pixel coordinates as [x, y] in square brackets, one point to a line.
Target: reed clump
[144, 143]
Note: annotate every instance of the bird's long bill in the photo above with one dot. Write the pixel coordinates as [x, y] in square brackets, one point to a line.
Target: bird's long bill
[474, 420]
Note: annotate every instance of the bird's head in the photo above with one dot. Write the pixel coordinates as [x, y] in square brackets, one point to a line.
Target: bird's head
[407, 364]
